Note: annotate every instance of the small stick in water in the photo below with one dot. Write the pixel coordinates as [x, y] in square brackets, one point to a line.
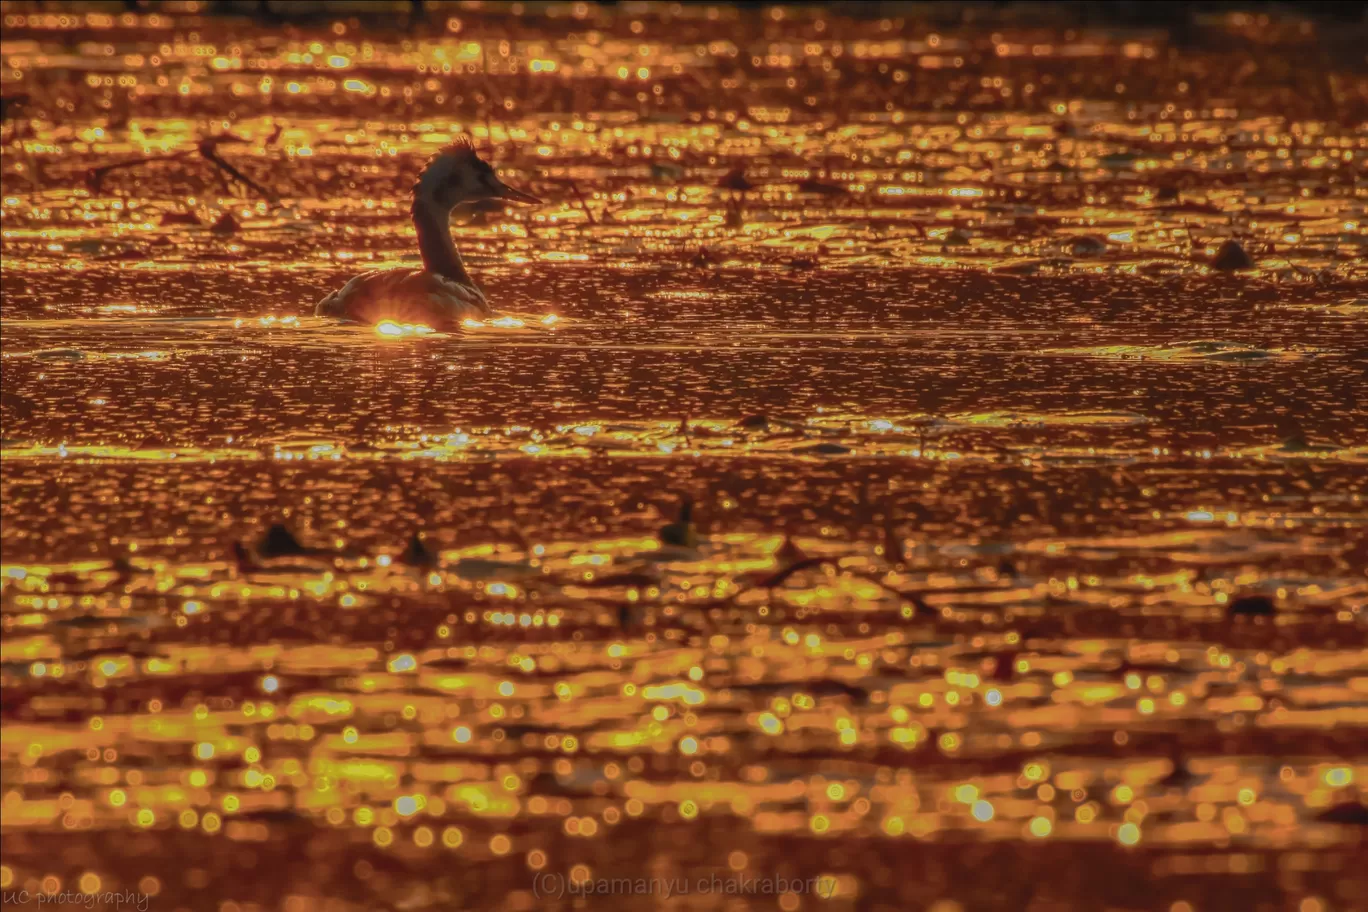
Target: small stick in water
[418, 554]
[574, 188]
[208, 149]
[94, 178]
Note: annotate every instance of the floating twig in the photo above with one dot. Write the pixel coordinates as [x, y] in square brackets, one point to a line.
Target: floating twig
[208, 149]
[94, 178]
[574, 188]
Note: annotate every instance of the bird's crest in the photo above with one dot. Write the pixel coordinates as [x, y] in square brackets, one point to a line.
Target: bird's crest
[459, 145]
[440, 166]
[459, 148]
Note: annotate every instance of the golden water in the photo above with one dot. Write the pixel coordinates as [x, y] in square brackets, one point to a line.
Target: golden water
[961, 343]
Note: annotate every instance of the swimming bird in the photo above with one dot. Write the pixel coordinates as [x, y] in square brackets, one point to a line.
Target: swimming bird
[441, 294]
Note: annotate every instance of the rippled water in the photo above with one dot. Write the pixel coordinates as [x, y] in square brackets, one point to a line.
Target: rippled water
[984, 444]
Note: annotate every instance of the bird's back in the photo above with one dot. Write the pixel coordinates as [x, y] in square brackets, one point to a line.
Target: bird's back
[405, 296]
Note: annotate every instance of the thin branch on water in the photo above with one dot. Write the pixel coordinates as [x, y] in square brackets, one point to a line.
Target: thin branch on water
[94, 178]
[208, 149]
[574, 188]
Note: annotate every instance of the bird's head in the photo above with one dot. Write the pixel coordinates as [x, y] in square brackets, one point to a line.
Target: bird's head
[458, 175]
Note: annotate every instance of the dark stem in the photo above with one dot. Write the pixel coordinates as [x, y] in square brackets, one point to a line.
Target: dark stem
[208, 148]
[574, 187]
[95, 176]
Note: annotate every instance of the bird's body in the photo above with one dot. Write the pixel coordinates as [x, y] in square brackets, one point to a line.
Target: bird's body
[442, 294]
[406, 296]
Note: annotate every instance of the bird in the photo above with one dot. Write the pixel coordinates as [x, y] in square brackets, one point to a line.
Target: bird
[442, 294]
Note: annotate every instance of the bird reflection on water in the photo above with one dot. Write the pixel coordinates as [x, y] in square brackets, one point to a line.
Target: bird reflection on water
[1002, 580]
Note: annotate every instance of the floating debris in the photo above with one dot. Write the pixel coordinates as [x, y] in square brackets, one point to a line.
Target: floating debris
[1252, 606]
[1349, 813]
[1231, 257]
[279, 541]
[226, 224]
[681, 533]
[1086, 246]
[417, 554]
[186, 217]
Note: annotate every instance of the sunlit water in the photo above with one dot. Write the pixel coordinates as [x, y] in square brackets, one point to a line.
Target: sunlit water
[983, 447]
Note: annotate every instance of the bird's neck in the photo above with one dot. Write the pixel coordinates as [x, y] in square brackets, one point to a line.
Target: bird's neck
[433, 224]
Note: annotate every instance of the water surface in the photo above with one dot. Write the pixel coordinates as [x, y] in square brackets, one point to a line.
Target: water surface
[982, 445]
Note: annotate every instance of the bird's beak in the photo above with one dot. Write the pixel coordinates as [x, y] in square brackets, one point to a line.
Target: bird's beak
[506, 192]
